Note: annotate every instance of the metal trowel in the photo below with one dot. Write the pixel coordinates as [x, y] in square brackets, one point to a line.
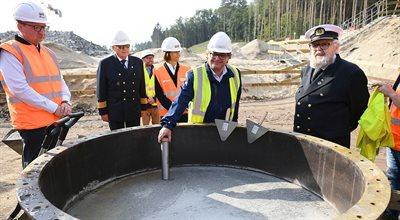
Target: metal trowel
[254, 130]
[225, 127]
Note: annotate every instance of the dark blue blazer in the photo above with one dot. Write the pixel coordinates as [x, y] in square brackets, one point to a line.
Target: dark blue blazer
[120, 88]
[331, 105]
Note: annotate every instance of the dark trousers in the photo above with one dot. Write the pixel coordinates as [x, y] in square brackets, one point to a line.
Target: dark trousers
[114, 125]
[31, 142]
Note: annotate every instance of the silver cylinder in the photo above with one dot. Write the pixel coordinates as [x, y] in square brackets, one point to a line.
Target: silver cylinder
[165, 160]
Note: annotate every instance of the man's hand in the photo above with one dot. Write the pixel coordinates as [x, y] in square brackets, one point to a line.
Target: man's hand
[386, 89]
[104, 117]
[64, 109]
[151, 100]
[164, 135]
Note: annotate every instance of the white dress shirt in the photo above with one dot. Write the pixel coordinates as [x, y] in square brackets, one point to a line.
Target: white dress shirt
[219, 78]
[171, 68]
[126, 62]
[15, 80]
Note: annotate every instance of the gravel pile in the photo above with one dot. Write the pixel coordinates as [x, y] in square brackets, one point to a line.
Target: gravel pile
[68, 39]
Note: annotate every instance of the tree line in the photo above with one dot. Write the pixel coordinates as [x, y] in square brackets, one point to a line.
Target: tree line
[260, 19]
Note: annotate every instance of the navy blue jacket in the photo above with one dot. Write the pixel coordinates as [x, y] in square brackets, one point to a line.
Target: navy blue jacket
[219, 103]
[121, 88]
[330, 106]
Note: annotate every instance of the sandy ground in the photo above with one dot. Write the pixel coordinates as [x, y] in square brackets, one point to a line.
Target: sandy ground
[280, 115]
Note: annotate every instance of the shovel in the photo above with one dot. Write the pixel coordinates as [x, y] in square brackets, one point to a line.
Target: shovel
[254, 130]
[225, 127]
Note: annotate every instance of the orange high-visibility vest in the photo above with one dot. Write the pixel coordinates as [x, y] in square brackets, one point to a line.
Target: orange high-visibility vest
[395, 114]
[167, 84]
[42, 75]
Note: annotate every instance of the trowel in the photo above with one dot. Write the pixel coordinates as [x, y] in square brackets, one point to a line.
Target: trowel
[255, 130]
[13, 140]
[225, 127]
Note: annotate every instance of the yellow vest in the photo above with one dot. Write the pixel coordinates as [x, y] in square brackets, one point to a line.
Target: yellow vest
[150, 85]
[375, 129]
[202, 93]
[42, 75]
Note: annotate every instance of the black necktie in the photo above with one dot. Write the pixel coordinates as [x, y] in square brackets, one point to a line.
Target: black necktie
[123, 63]
[316, 73]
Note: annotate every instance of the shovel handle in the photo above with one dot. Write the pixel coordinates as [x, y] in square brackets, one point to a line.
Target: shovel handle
[165, 160]
[228, 113]
[263, 119]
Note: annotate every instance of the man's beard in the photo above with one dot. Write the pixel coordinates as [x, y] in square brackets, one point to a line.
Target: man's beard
[321, 62]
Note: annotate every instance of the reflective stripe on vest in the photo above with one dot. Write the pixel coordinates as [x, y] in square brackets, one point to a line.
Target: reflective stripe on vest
[149, 83]
[167, 84]
[42, 75]
[395, 115]
[202, 93]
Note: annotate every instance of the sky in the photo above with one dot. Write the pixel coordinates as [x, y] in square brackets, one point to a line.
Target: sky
[98, 21]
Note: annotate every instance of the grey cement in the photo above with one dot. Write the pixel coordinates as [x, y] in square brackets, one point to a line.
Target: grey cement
[202, 193]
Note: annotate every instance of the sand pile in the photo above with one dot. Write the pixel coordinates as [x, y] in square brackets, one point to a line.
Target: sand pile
[376, 48]
[236, 51]
[255, 49]
[69, 59]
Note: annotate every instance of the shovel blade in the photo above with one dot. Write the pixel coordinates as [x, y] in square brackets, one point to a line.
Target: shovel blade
[225, 128]
[254, 131]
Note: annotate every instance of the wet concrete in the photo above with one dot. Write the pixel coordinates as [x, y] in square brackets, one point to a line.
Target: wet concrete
[202, 193]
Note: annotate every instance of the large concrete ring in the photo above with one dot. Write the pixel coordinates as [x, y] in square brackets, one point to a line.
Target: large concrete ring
[348, 181]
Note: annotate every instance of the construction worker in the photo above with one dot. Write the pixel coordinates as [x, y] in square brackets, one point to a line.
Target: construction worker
[35, 89]
[333, 93]
[211, 89]
[149, 105]
[120, 85]
[393, 154]
[169, 76]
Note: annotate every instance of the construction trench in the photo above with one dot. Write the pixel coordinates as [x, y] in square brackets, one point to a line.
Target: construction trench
[284, 175]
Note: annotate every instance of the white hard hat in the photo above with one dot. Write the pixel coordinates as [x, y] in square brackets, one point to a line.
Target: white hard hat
[220, 43]
[31, 12]
[121, 38]
[171, 44]
[146, 53]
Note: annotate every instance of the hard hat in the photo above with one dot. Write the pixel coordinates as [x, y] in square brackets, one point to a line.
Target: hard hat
[120, 38]
[31, 12]
[220, 43]
[171, 44]
[146, 53]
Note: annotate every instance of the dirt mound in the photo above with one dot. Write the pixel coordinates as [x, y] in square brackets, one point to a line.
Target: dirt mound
[68, 39]
[376, 48]
[236, 51]
[69, 59]
[255, 49]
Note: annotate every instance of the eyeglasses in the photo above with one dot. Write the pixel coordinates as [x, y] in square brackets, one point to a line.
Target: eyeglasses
[121, 47]
[322, 45]
[221, 56]
[37, 28]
